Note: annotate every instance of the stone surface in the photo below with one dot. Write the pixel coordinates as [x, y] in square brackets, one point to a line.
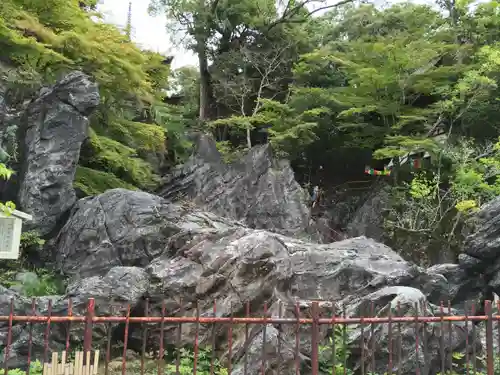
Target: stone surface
[405, 301]
[124, 247]
[368, 219]
[484, 243]
[124, 228]
[480, 259]
[259, 190]
[53, 128]
[137, 252]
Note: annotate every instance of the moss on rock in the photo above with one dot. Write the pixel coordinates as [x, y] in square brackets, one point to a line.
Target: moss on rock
[107, 155]
[92, 182]
[140, 136]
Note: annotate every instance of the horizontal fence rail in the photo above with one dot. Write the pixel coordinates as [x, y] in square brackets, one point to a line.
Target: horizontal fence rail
[286, 339]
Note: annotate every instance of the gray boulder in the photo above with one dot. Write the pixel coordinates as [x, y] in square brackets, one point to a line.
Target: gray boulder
[484, 243]
[53, 128]
[126, 247]
[481, 248]
[368, 219]
[125, 228]
[122, 247]
[259, 190]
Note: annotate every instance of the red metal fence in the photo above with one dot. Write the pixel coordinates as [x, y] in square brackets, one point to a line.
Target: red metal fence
[316, 341]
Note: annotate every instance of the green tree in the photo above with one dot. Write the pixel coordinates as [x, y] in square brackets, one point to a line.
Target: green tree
[42, 40]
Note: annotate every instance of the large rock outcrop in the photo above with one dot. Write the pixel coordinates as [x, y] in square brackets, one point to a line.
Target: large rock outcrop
[53, 128]
[481, 254]
[124, 228]
[122, 247]
[259, 190]
[368, 219]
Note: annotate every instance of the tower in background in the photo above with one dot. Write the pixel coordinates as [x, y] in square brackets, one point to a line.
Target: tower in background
[128, 26]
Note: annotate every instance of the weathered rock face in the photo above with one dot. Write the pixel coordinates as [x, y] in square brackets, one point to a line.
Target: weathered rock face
[123, 228]
[259, 190]
[368, 219]
[53, 128]
[482, 248]
[122, 247]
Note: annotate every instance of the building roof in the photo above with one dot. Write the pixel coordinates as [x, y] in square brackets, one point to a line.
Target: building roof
[18, 214]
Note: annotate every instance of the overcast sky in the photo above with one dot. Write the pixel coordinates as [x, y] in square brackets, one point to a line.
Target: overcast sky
[149, 32]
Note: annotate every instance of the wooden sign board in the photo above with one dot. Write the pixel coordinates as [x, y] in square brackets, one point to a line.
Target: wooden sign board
[10, 233]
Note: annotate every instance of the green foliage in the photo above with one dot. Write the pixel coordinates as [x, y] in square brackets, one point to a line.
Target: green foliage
[186, 364]
[203, 363]
[42, 40]
[31, 238]
[8, 207]
[431, 210]
[36, 368]
[93, 182]
[29, 281]
[335, 353]
[228, 152]
[110, 156]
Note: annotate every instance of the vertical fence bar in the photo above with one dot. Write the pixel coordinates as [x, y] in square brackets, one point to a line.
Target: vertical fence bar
[297, 340]
[68, 332]
[161, 352]
[425, 341]
[47, 333]
[314, 338]
[108, 349]
[230, 342]
[247, 314]
[87, 341]
[441, 339]
[474, 351]
[344, 340]
[263, 349]
[212, 356]
[196, 337]
[497, 357]
[362, 341]
[372, 337]
[389, 344]
[30, 335]
[334, 349]
[178, 341]
[417, 343]
[450, 344]
[467, 357]
[125, 341]
[9, 338]
[400, 339]
[278, 362]
[144, 335]
[489, 338]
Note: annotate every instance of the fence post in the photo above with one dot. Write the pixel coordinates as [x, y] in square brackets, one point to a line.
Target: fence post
[87, 336]
[314, 338]
[489, 338]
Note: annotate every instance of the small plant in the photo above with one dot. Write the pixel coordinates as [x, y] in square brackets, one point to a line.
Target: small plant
[36, 368]
[186, 364]
[203, 363]
[8, 207]
[31, 239]
[335, 354]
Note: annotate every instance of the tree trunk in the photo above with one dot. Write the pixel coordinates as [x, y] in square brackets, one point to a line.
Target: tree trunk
[205, 84]
[249, 140]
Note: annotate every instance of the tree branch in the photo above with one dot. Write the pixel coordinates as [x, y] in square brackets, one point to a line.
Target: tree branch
[289, 13]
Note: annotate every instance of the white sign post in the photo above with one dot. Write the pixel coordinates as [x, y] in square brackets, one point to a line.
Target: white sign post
[10, 233]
